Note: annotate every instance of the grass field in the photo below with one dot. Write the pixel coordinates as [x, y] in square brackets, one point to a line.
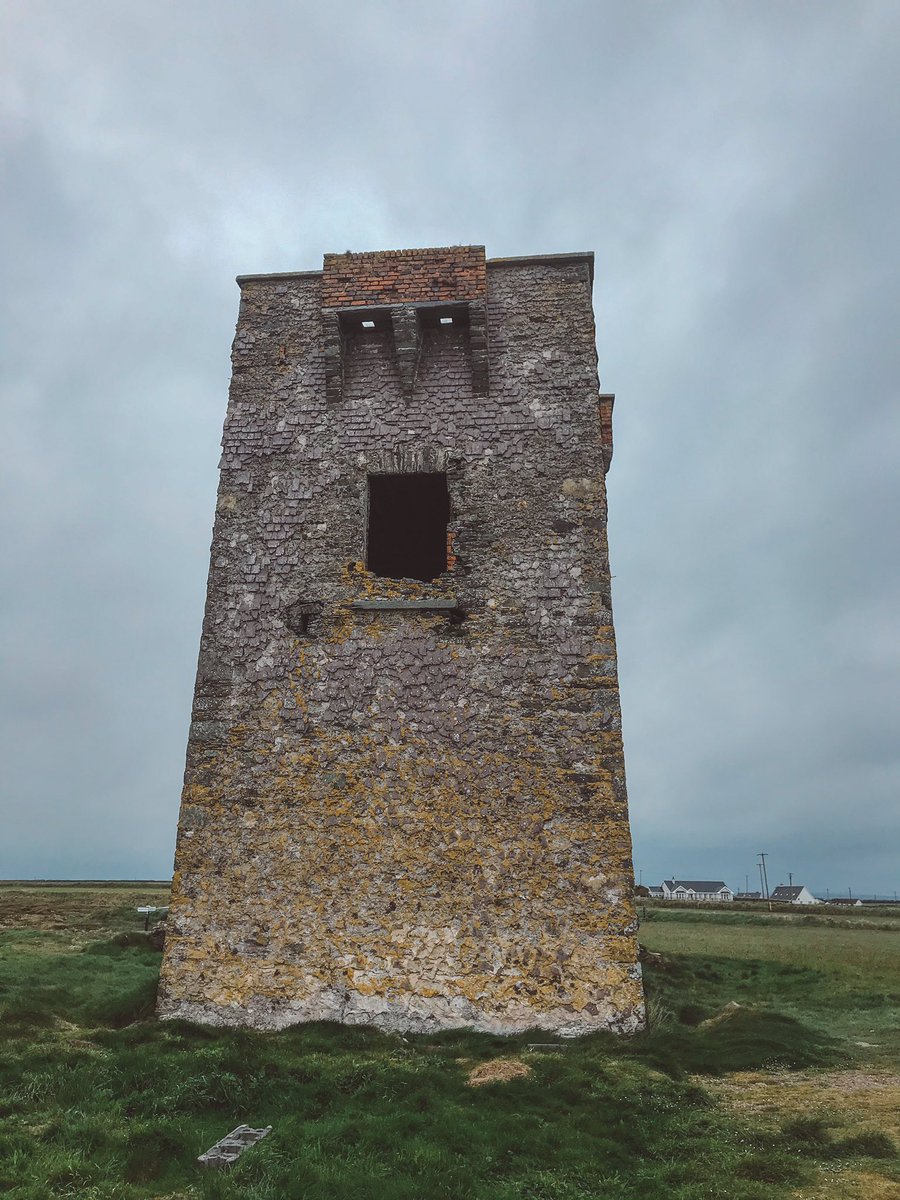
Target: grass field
[842, 973]
[795, 1093]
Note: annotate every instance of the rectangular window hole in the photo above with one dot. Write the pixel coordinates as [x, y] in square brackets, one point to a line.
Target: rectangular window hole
[366, 321]
[447, 318]
[407, 533]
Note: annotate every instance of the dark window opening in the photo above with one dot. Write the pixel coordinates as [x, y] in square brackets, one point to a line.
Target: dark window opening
[447, 318]
[408, 517]
[364, 320]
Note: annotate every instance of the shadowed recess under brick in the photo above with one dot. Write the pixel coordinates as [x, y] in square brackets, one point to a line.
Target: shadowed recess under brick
[404, 799]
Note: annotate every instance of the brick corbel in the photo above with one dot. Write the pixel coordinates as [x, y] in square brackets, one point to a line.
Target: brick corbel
[478, 346]
[407, 341]
[334, 356]
[606, 401]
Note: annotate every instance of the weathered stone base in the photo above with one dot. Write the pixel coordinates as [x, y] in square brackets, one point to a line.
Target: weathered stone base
[420, 1014]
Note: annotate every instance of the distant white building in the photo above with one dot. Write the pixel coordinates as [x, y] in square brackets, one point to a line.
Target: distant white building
[696, 889]
[793, 895]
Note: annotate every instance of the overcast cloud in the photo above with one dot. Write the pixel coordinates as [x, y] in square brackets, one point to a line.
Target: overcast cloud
[735, 166]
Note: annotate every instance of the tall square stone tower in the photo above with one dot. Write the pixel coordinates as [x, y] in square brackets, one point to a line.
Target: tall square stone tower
[404, 802]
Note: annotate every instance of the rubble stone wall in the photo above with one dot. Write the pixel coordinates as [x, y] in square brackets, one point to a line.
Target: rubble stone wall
[400, 817]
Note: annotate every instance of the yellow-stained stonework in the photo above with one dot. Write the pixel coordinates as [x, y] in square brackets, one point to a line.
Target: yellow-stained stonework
[403, 817]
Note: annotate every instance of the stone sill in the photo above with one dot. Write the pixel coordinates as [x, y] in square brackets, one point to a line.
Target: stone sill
[436, 604]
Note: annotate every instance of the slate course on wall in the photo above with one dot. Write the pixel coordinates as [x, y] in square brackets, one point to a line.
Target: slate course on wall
[404, 799]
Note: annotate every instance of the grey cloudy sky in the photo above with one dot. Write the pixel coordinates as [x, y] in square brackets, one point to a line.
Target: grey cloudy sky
[735, 166]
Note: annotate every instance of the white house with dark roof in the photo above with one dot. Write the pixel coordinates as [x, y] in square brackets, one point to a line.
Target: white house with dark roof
[697, 889]
[793, 895]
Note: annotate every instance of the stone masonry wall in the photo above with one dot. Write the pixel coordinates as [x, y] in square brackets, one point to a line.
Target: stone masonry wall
[391, 817]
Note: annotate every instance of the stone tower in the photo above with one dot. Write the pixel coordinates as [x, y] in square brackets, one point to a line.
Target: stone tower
[404, 801]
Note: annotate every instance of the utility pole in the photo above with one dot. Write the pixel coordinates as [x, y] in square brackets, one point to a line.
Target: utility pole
[765, 876]
[747, 885]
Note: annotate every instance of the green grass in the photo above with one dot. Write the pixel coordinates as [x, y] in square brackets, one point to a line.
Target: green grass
[840, 979]
[883, 918]
[98, 1100]
[79, 907]
[109, 983]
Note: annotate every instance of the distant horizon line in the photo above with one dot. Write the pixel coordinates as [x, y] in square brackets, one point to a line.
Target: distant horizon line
[36, 881]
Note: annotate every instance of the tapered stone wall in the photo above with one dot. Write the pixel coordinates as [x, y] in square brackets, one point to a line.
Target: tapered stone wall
[413, 817]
